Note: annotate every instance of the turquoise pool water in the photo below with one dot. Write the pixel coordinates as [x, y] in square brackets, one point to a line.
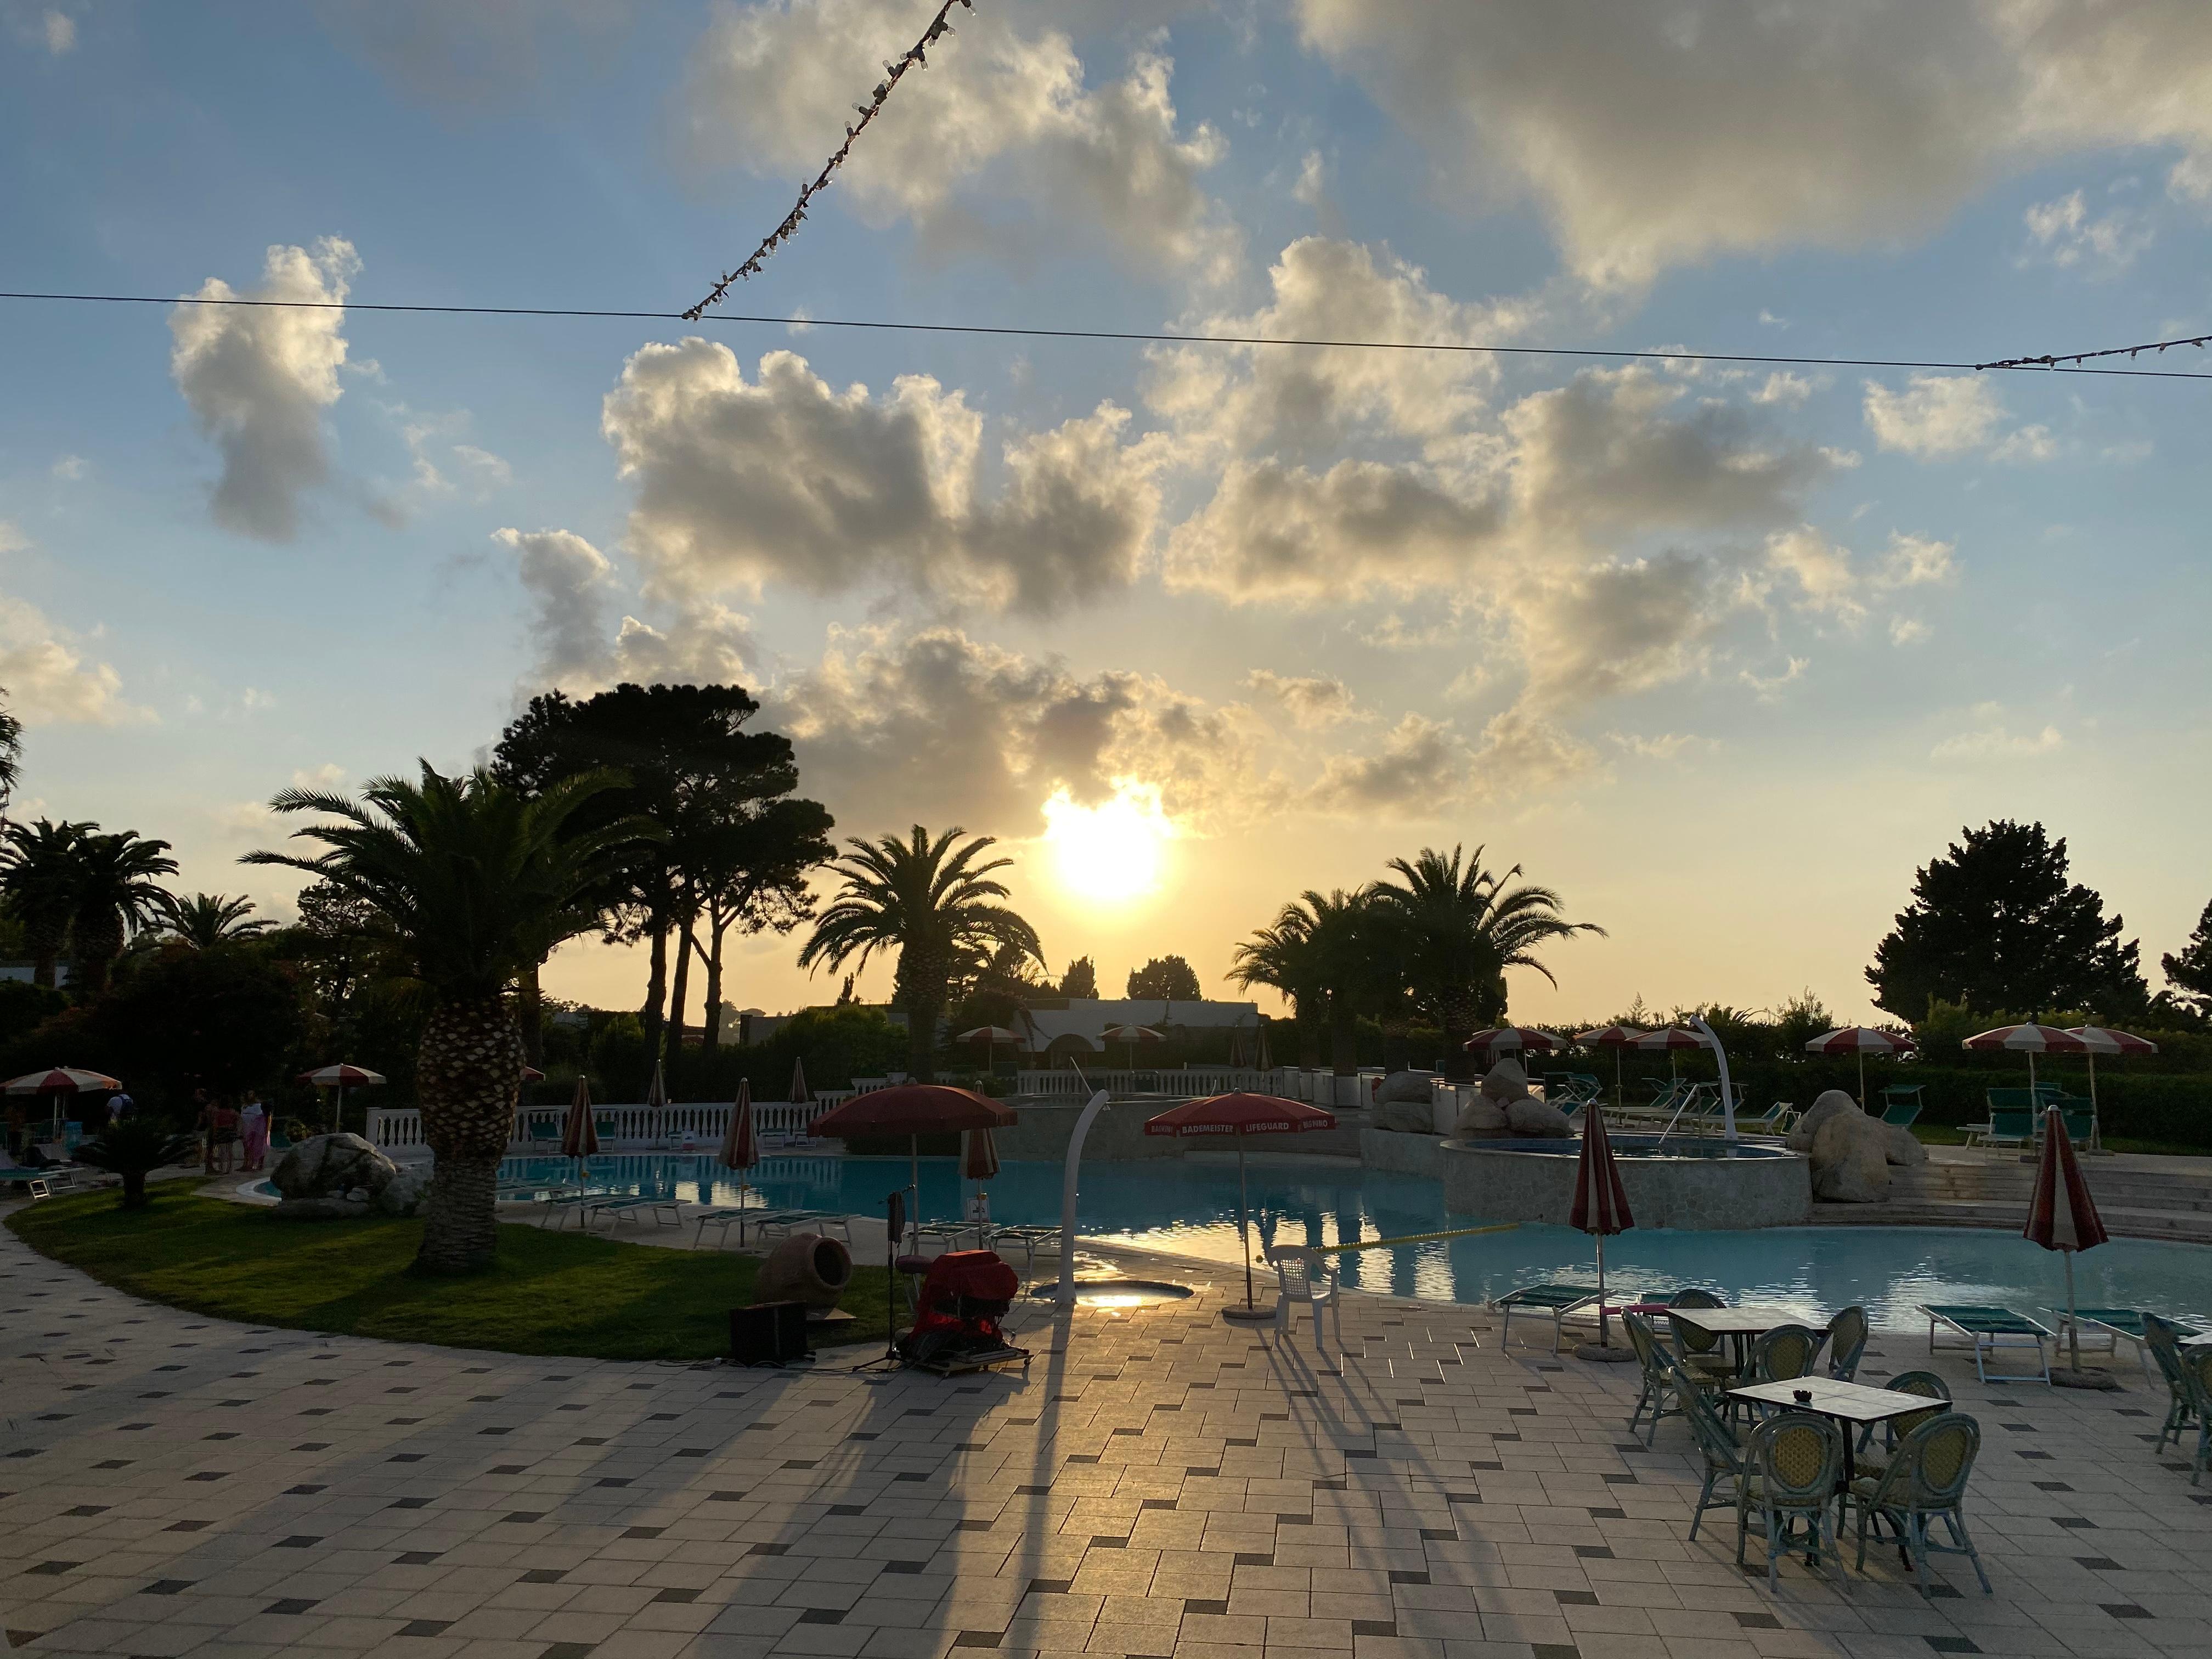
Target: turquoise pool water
[1189, 1205]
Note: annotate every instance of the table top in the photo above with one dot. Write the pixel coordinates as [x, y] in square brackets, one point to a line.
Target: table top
[1738, 1321]
[1854, 1402]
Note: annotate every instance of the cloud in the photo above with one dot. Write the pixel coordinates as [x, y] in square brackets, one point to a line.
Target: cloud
[1768, 688]
[72, 469]
[999, 142]
[1660, 747]
[1315, 703]
[12, 538]
[574, 602]
[257, 381]
[1618, 628]
[58, 30]
[45, 679]
[1422, 767]
[1312, 186]
[1654, 135]
[441, 467]
[1917, 561]
[1826, 580]
[780, 479]
[2063, 232]
[1990, 740]
[484, 53]
[1943, 416]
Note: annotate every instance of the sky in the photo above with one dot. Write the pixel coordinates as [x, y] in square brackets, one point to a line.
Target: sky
[1719, 652]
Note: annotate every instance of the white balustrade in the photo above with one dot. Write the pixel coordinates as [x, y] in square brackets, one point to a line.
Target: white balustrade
[1178, 1082]
[701, 1124]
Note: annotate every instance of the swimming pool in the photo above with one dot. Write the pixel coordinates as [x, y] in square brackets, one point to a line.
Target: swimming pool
[1189, 1205]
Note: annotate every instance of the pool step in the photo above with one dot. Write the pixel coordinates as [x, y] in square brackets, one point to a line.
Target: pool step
[1994, 1191]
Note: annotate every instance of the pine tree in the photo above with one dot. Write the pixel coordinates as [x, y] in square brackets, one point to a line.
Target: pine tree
[2190, 973]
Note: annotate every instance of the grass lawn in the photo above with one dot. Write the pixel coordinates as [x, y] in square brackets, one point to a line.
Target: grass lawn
[551, 1293]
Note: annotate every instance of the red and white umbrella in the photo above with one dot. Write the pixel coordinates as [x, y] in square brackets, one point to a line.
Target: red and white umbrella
[1672, 1039]
[801, 1094]
[1600, 1205]
[740, 1149]
[1132, 1035]
[61, 1080]
[913, 1109]
[2062, 1216]
[531, 1074]
[2103, 1041]
[1241, 1115]
[1615, 1037]
[2029, 1039]
[1862, 1040]
[656, 1103]
[579, 1135]
[341, 1077]
[990, 1037]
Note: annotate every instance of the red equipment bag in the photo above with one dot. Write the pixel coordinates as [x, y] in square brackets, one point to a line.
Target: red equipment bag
[964, 1295]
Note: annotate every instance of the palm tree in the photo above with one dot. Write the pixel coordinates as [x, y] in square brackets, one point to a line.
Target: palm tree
[11, 749]
[1463, 928]
[469, 881]
[1320, 952]
[116, 893]
[934, 905]
[207, 920]
[38, 872]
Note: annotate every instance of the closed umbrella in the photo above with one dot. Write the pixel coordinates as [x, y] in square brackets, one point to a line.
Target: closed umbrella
[1615, 1037]
[579, 1135]
[1600, 1205]
[979, 1163]
[2062, 1216]
[2100, 1040]
[740, 1149]
[2031, 1040]
[656, 1105]
[1861, 1040]
[341, 1077]
[913, 1109]
[1238, 1115]
[1132, 1035]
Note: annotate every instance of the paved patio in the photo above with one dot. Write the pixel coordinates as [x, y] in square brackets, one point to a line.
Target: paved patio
[1161, 1483]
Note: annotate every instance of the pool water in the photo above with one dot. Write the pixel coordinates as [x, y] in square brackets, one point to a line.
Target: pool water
[1189, 1205]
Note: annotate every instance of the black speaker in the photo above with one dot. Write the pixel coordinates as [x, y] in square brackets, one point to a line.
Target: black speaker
[768, 1333]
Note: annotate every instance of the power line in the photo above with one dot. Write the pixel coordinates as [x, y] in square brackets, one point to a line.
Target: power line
[2035, 365]
[911, 59]
[2078, 358]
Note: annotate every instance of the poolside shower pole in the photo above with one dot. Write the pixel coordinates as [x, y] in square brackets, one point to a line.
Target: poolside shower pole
[1064, 1295]
[1728, 1094]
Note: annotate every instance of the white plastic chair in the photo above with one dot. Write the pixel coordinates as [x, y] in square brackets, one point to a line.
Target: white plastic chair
[1305, 1275]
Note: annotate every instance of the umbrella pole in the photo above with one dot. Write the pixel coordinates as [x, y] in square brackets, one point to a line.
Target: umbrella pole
[2073, 1325]
[914, 1184]
[1244, 1215]
[1617, 1101]
[2094, 1123]
[1863, 1079]
[1601, 1288]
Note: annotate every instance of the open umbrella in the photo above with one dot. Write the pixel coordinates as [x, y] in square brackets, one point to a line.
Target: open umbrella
[1239, 1115]
[1600, 1205]
[579, 1135]
[2062, 1216]
[2102, 1042]
[59, 1081]
[740, 1148]
[1672, 1039]
[340, 1077]
[1861, 1040]
[913, 1109]
[990, 1037]
[1615, 1037]
[1511, 1039]
[2031, 1040]
[1132, 1035]
[531, 1074]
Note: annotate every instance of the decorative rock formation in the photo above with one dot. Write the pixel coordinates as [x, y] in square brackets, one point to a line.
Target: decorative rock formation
[1504, 1106]
[334, 1177]
[1848, 1151]
[806, 1267]
[1405, 1102]
[1537, 1119]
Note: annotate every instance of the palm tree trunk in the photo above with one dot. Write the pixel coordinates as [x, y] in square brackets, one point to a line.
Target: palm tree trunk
[679, 990]
[713, 1020]
[466, 1075]
[1343, 1035]
[1455, 1009]
[922, 1040]
[99, 942]
[45, 939]
[656, 988]
[530, 1008]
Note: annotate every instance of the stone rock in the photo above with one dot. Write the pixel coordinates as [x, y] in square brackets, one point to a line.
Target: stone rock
[1406, 1116]
[806, 1267]
[1482, 1115]
[1404, 1086]
[1505, 1081]
[405, 1192]
[1903, 1146]
[329, 1170]
[1848, 1151]
[322, 1209]
[1538, 1119]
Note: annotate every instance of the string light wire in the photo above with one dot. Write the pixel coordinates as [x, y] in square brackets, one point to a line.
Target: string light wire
[2059, 365]
[2078, 358]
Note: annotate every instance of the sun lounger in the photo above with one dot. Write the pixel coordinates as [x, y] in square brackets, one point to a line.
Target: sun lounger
[1987, 1330]
[1556, 1300]
[2118, 1325]
[793, 1221]
[1027, 1238]
[632, 1210]
[1901, 1102]
[2007, 1126]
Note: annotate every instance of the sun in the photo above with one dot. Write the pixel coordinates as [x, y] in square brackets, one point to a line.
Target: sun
[1111, 852]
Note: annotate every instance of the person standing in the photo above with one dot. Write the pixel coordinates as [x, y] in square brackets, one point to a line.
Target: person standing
[225, 1137]
[253, 1130]
[119, 1106]
[203, 1110]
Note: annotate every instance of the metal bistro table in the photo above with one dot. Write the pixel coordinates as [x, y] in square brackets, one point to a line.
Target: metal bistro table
[1739, 1325]
[1853, 1404]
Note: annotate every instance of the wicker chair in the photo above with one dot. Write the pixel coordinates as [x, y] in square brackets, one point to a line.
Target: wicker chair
[1722, 1448]
[1699, 1350]
[2163, 1338]
[2197, 1379]
[1926, 1479]
[1929, 1387]
[1781, 1355]
[1663, 1378]
[1793, 1461]
[1847, 1340]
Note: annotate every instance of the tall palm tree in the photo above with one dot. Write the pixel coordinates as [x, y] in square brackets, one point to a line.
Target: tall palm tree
[1463, 928]
[117, 892]
[469, 881]
[11, 749]
[207, 920]
[38, 873]
[1320, 952]
[932, 904]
